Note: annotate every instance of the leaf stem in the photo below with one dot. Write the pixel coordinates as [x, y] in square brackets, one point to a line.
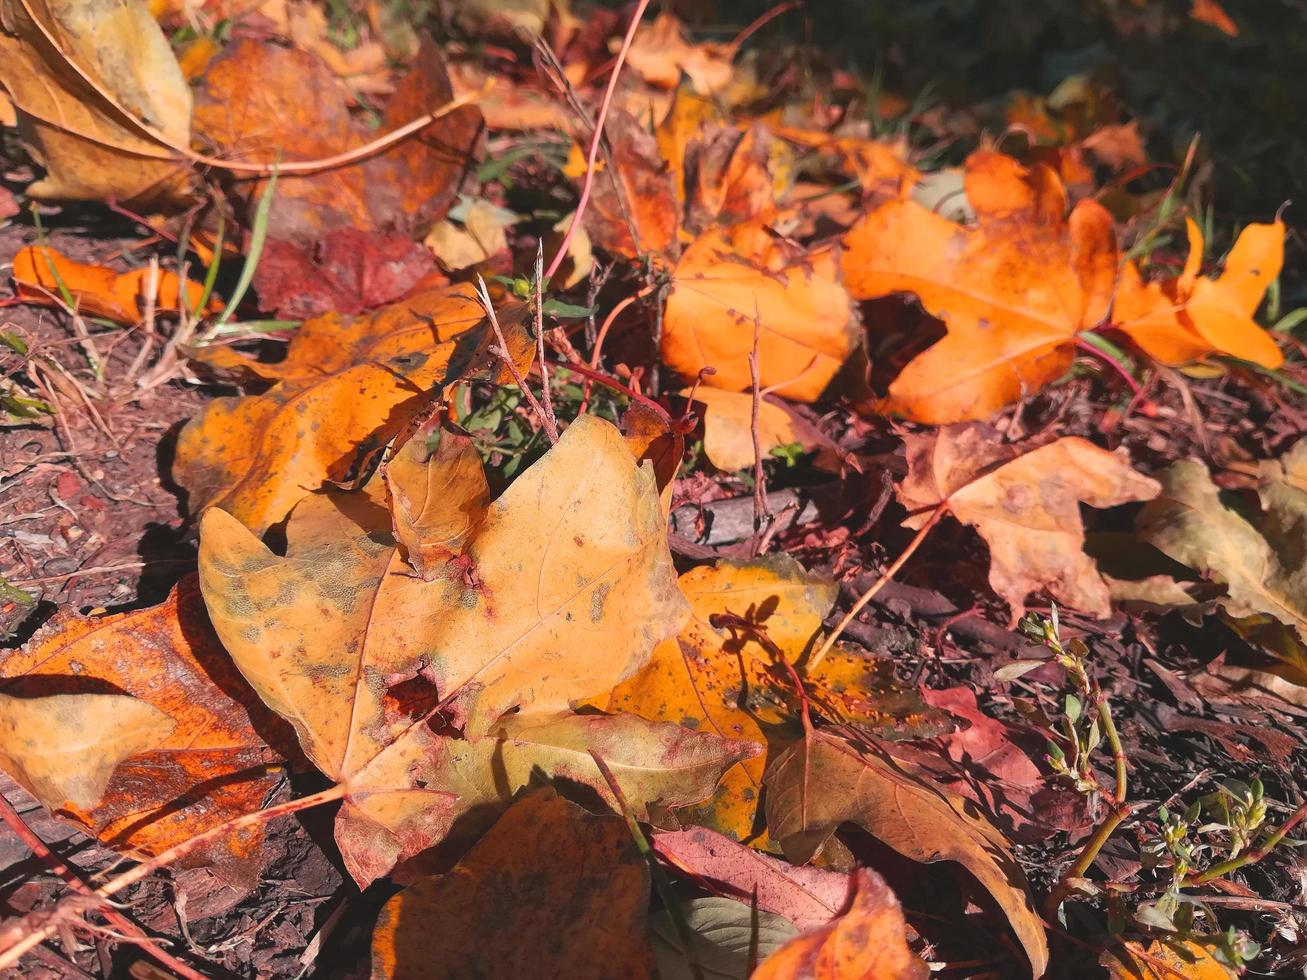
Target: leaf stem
[940, 510]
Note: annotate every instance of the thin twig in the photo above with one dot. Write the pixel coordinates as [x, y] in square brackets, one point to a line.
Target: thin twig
[939, 511]
[75, 881]
[539, 311]
[36, 927]
[761, 509]
[502, 352]
[595, 138]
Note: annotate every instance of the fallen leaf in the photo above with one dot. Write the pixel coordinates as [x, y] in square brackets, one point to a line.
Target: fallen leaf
[728, 430]
[63, 749]
[867, 942]
[478, 236]
[687, 118]
[1212, 14]
[633, 209]
[1164, 960]
[1117, 146]
[726, 936]
[706, 681]
[1014, 291]
[1190, 317]
[549, 891]
[346, 386]
[406, 188]
[347, 272]
[215, 765]
[730, 278]
[97, 290]
[1025, 503]
[826, 780]
[1257, 557]
[660, 53]
[807, 897]
[101, 124]
[360, 654]
[739, 175]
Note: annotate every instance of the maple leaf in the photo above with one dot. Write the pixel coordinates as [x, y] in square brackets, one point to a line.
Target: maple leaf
[1190, 317]
[370, 661]
[346, 386]
[1259, 557]
[406, 188]
[103, 126]
[731, 277]
[1014, 291]
[42, 274]
[827, 779]
[1164, 960]
[660, 54]
[214, 761]
[1025, 503]
[550, 890]
[867, 942]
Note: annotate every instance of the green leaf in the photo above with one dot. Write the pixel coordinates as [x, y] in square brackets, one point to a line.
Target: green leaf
[15, 343]
[567, 311]
[724, 933]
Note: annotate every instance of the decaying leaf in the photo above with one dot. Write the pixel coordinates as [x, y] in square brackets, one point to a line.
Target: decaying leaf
[347, 385]
[214, 762]
[738, 176]
[1259, 558]
[728, 430]
[407, 188]
[369, 661]
[113, 139]
[42, 274]
[1190, 316]
[1014, 291]
[731, 279]
[64, 748]
[661, 53]
[828, 779]
[807, 897]
[1025, 503]
[867, 942]
[551, 890]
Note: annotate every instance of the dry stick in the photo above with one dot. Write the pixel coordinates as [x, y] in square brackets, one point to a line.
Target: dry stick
[1120, 809]
[74, 880]
[540, 340]
[594, 140]
[761, 509]
[940, 510]
[502, 352]
[37, 934]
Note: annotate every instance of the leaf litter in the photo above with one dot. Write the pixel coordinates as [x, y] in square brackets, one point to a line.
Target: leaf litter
[435, 566]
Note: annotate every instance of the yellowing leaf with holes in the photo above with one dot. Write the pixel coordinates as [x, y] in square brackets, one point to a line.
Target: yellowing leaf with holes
[103, 124]
[223, 751]
[731, 281]
[1014, 291]
[827, 779]
[1257, 557]
[1025, 502]
[558, 592]
[1190, 316]
[63, 749]
[42, 274]
[347, 385]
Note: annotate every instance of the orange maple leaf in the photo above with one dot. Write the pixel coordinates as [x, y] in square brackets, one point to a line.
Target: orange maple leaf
[1014, 291]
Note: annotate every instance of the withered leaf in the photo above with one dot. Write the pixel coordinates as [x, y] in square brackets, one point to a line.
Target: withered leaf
[558, 593]
[828, 779]
[347, 385]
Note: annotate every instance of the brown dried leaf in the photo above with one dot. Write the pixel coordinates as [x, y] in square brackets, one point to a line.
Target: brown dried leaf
[827, 779]
[1025, 503]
